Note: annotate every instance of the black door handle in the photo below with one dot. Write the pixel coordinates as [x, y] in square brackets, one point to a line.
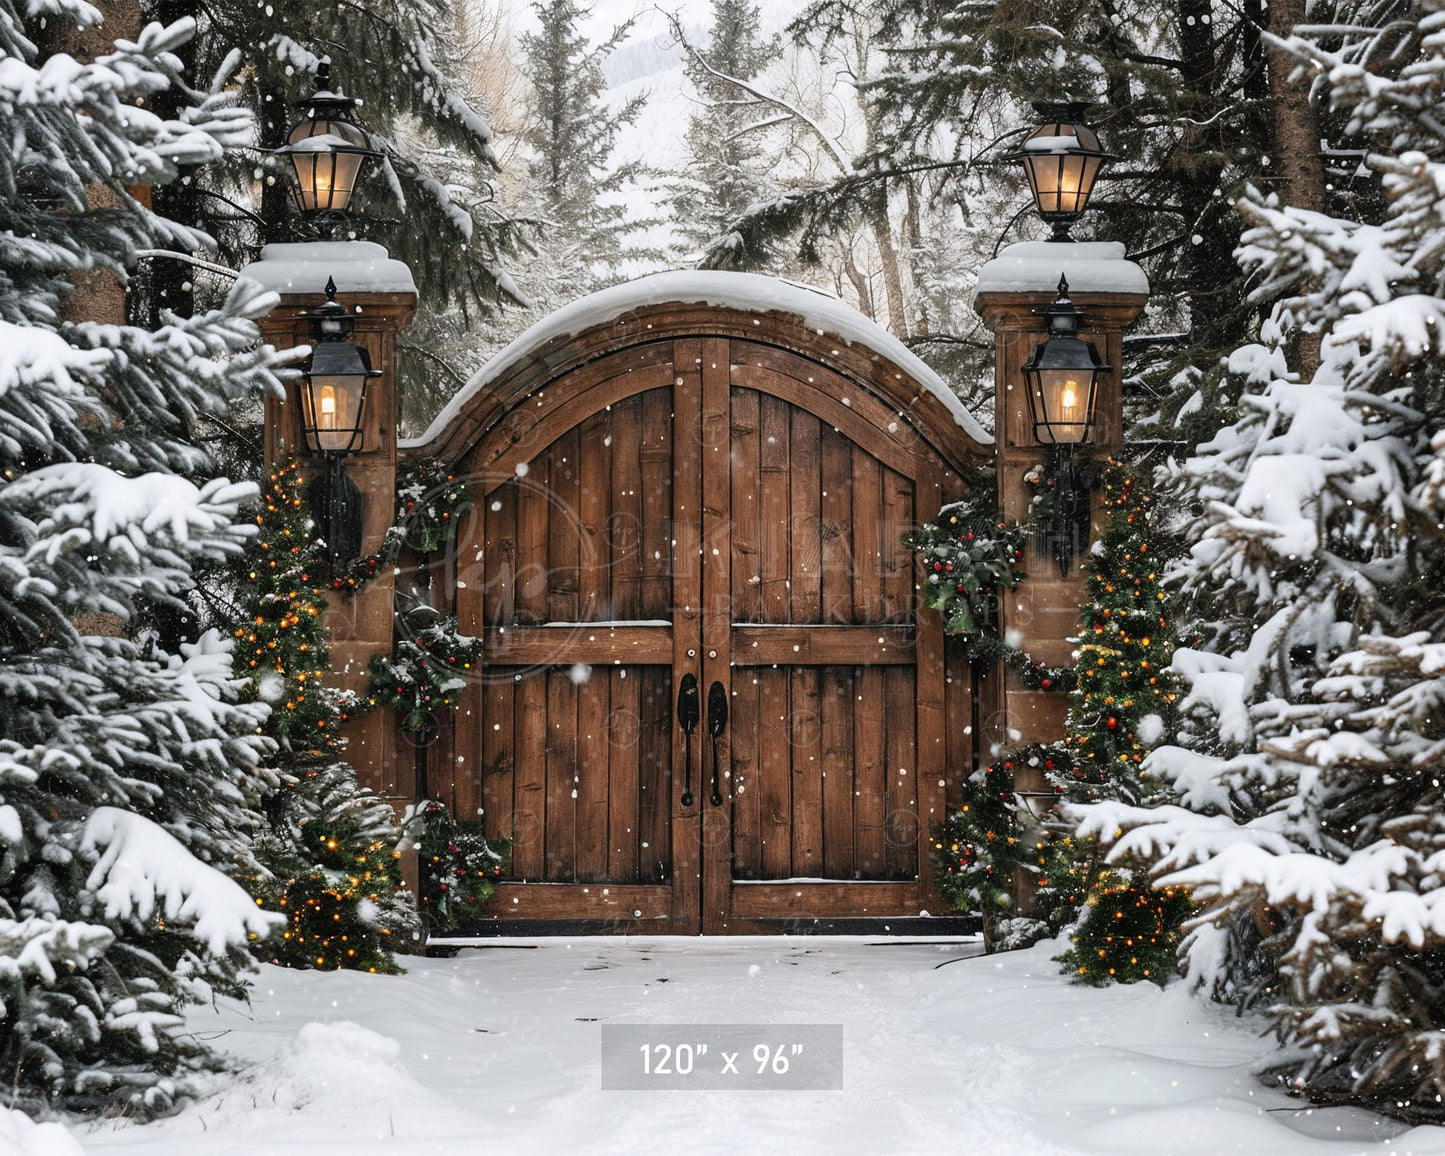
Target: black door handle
[717, 719]
[688, 712]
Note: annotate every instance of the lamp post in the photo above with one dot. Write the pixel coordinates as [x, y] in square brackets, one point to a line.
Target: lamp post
[1061, 159]
[341, 417]
[1054, 391]
[333, 394]
[1061, 379]
[328, 150]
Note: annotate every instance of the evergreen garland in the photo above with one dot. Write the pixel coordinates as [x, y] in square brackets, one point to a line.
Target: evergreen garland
[430, 500]
[984, 845]
[425, 673]
[458, 865]
[971, 553]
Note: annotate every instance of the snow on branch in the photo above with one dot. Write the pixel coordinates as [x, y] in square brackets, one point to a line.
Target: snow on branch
[47, 948]
[143, 874]
[89, 505]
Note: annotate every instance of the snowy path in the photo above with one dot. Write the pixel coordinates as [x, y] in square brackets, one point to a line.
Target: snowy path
[497, 1050]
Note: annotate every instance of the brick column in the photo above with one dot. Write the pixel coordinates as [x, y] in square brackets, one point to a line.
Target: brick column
[1013, 291]
[380, 297]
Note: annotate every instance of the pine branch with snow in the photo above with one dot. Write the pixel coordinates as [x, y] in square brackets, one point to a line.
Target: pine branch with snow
[130, 774]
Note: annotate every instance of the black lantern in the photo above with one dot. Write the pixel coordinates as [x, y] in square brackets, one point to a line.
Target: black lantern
[1061, 377]
[328, 149]
[333, 395]
[1062, 159]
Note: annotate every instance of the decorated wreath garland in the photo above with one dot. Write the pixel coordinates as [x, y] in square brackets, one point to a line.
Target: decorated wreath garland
[971, 553]
[424, 674]
[430, 500]
[459, 865]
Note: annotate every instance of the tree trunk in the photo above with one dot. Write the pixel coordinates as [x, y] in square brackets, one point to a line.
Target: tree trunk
[99, 294]
[913, 230]
[892, 277]
[1296, 160]
[859, 281]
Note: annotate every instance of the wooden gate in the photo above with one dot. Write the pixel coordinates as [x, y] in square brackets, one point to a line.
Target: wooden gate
[728, 509]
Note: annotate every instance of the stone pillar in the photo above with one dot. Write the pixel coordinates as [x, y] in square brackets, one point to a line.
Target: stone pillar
[381, 298]
[1042, 614]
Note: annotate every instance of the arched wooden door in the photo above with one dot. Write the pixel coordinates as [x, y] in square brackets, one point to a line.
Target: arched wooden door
[732, 511]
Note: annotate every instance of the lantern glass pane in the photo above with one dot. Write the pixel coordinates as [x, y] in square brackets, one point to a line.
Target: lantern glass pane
[326, 178]
[1061, 174]
[335, 409]
[1063, 401]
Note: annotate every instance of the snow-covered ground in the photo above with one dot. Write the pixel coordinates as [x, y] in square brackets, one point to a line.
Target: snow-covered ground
[945, 1050]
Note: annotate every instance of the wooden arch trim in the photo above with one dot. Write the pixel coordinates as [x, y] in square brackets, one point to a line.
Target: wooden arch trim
[526, 431]
[655, 327]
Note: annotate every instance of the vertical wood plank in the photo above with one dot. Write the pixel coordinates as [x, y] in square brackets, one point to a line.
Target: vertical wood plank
[562, 519]
[900, 826]
[529, 726]
[869, 759]
[930, 693]
[867, 535]
[958, 721]
[656, 434]
[774, 566]
[836, 531]
[594, 499]
[717, 618]
[496, 751]
[684, 525]
[500, 556]
[654, 759]
[747, 791]
[531, 566]
[804, 517]
[624, 525]
[561, 826]
[835, 710]
[746, 571]
[623, 726]
[895, 559]
[774, 774]
[464, 771]
[594, 755]
[807, 771]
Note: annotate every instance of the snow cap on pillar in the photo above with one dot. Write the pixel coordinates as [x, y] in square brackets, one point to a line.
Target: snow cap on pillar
[356, 266]
[1035, 267]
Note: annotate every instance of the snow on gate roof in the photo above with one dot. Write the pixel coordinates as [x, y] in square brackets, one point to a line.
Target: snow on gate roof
[749, 292]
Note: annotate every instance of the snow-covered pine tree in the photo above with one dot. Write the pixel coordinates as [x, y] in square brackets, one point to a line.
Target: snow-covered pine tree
[432, 203]
[571, 137]
[1309, 818]
[1183, 95]
[128, 775]
[726, 166]
[327, 851]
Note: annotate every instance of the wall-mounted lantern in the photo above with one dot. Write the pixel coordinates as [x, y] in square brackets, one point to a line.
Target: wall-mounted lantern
[328, 150]
[333, 396]
[1061, 378]
[1061, 159]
